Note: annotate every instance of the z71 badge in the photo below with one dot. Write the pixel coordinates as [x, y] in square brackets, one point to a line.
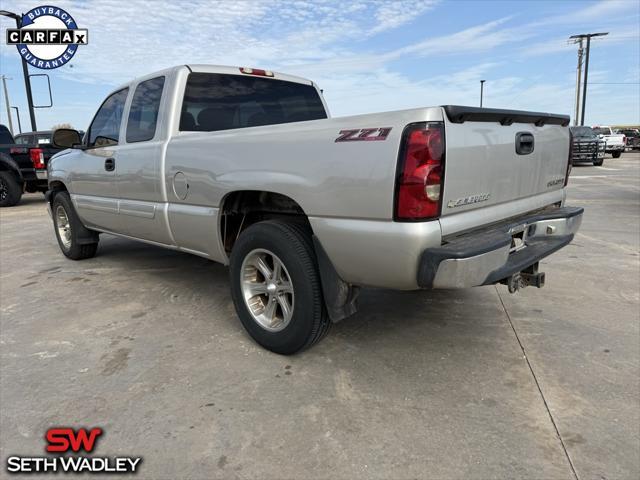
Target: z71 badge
[363, 134]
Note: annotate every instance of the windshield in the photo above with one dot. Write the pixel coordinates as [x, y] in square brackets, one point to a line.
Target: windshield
[582, 132]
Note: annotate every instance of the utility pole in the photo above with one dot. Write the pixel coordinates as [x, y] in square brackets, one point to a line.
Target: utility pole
[25, 72]
[481, 91]
[578, 81]
[579, 39]
[7, 103]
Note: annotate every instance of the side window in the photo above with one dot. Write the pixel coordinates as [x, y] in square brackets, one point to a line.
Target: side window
[143, 114]
[105, 129]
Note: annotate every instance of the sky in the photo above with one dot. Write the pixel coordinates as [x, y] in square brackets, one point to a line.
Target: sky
[367, 56]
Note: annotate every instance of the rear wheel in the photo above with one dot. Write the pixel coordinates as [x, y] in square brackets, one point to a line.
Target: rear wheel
[10, 189]
[276, 287]
[616, 154]
[70, 232]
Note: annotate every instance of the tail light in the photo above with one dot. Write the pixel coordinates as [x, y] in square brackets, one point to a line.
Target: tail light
[624, 139]
[419, 183]
[37, 157]
[570, 159]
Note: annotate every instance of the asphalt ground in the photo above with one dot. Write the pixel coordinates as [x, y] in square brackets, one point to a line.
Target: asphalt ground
[144, 343]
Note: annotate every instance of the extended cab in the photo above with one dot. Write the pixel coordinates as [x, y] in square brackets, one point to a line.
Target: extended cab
[246, 167]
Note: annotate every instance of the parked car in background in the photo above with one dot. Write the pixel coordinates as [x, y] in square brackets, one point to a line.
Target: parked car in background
[615, 141]
[587, 147]
[633, 138]
[246, 167]
[42, 138]
[23, 167]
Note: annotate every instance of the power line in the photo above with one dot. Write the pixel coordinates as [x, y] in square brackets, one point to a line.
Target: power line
[579, 39]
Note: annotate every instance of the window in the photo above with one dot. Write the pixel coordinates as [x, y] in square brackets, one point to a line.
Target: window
[601, 131]
[143, 114]
[24, 140]
[219, 102]
[44, 139]
[105, 129]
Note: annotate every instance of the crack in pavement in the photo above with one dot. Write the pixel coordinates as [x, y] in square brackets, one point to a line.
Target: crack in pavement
[535, 379]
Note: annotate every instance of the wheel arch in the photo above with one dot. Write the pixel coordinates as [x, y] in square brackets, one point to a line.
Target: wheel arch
[241, 208]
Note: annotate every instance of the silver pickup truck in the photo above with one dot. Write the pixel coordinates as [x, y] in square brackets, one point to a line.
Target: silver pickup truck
[245, 167]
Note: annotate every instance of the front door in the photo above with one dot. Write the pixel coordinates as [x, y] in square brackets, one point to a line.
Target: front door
[94, 186]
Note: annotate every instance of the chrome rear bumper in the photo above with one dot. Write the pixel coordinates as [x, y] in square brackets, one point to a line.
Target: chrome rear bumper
[487, 256]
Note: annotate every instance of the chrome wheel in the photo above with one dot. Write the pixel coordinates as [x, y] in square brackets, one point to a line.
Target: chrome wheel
[63, 226]
[267, 290]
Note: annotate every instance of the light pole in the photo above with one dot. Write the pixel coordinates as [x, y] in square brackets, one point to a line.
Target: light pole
[18, 117]
[25, 71]
[7, 103]
[481, 91]
[579, 39]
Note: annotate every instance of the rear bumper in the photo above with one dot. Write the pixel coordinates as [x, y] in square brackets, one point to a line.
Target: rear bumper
[486, 256]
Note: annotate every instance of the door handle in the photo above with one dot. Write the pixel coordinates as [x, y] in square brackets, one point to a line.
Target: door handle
[524, 143]
[110, 164]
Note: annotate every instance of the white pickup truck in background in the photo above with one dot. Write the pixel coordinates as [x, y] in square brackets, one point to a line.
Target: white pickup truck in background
[246, 167]
[615, 142]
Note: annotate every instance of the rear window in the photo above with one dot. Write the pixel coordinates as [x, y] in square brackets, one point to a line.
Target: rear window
[23, 140]
[582, 132]
[220, 102]
[601, 131]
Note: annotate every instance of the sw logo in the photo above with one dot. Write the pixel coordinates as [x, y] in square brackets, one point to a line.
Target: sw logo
[64, 440]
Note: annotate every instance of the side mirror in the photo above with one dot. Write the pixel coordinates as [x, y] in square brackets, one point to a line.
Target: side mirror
[66, 138]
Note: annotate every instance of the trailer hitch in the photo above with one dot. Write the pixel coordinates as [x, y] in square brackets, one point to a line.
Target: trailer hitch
[529, 277]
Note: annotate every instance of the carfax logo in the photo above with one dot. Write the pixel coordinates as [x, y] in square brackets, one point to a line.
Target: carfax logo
[48, 37]
[65, 442]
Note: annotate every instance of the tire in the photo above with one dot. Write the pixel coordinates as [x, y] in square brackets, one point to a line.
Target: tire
[616, 154]
[598, 162]
[291, 246]
[10, 189]
[70, 232]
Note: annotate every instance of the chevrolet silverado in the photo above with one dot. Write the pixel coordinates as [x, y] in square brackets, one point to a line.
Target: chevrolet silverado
[245, 167]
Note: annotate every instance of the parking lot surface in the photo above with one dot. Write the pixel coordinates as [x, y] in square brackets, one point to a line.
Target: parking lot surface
[144, 342]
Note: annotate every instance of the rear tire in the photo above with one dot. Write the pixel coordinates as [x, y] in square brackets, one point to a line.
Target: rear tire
[276, 289]
[616, 154]
[69, 230]
[10, 189]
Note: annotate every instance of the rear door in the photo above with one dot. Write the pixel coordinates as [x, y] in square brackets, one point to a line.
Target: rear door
[499, 156]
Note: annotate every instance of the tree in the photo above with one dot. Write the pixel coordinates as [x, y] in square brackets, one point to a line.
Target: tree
[61, 125]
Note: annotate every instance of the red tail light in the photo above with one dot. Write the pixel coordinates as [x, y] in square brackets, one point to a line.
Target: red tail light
[37, 157]
[420, 177]
[569, 160]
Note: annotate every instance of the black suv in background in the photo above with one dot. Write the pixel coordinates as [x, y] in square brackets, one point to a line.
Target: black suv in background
[586, 146]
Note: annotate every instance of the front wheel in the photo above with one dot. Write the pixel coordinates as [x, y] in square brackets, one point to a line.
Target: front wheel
[616, 154]
[598, 162]
[70, 232]
[275, 286]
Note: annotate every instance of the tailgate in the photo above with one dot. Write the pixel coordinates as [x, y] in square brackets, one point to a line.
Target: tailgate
[498, 156]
